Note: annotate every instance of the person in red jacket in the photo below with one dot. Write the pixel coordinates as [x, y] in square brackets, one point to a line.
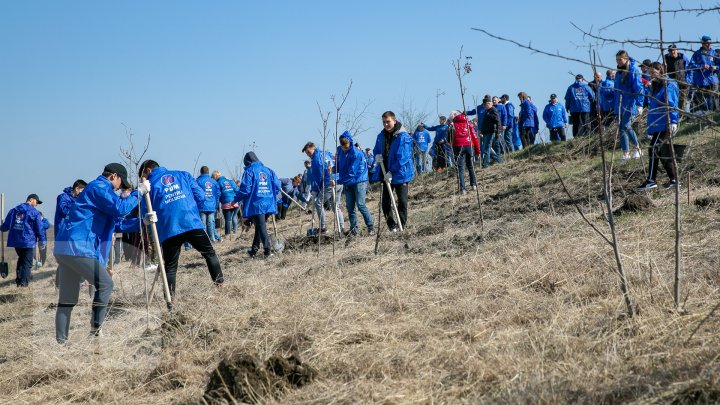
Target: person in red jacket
[465, 144]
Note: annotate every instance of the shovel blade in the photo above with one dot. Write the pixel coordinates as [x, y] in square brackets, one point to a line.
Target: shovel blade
[278, 245]
[4, 269]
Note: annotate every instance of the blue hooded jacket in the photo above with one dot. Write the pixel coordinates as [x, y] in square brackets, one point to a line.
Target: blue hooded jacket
[259, 188]
[606, 94]
[24, 226]
[528, 115]
[228, 188]
[440, 132]
[175, 196]
[62, 208]
[701, 76]
[87, 231]
[352, 164]
[554, 115]
[316, 169]
[628, 89]
[212, 193]
[509, 114]
[579, 97]
[656, 117]
[399, 156]
[422, 139]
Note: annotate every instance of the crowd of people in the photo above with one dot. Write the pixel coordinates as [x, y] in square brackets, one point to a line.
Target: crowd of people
[91, 216]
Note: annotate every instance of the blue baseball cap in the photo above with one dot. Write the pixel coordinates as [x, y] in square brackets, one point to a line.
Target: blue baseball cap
[706, 38]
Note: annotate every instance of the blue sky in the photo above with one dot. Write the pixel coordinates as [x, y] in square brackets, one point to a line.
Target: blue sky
[211, 78]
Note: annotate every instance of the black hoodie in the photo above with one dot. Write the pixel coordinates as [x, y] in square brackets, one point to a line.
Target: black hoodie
[250, 158]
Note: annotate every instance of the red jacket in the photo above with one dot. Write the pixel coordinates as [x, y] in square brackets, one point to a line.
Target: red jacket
[465, 134]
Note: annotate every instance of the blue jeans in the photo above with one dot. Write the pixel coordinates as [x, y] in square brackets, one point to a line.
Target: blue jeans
[231, 220]
[319, 204]
[355, 196]
[208, 218]
[507, 135]
[489, 149]
[421, 162]
[464, 155]
[626, 131]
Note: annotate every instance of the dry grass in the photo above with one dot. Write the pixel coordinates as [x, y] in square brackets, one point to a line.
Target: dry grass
[528, 311]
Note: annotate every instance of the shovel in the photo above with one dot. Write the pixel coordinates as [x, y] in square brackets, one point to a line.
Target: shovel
[3, 263]
[392, 197]
[161, 263]
[278, 245]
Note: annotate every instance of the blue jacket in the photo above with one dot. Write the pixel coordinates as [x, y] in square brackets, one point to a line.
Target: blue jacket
[657, 117]
[259, 188]
[510, 114]
[212, 193]
[398, 157]
[480, 112]
[87, 231]
[422, 139]
[517, 142]
[528, 116]
[502, 113]
[352, 164]
[175, 196]
[702, 76]
[25, 227]
[440, 132]
[628, 89]
[227, 190]
[319, 169]
[579, 97]
[606, 94]
[62, 208]
[554, 115]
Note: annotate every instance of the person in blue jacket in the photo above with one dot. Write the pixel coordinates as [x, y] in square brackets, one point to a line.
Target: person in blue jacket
[258, 194]
[353, 175]
[443, 148]
[83, 243]
[175, 198]
[628, 90]
[422, 142]
[509, 122]
[528, 120]
[606, 98]
[556, 119]
[24, 226]
[208, 206]
[286, 185]
[323, 183]
[42, 250]
[393, 146]
[704, 63]
[64, 201]
[579, 98]
[229, 207]
[516, 140]
[664, 93]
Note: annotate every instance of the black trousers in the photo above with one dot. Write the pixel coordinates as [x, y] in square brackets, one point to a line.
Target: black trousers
[401, 190]
[581, 123]
[201, 242]
[261, 233]
[24, 265]
[527, 137]
[557, 134]
[659, 152]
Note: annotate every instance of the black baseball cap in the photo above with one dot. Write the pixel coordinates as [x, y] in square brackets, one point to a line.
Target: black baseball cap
[552, 96]
[578, 76]
[35, 196]
[672, 46]
[120, 170]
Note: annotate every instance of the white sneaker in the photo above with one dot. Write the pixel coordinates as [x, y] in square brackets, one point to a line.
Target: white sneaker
[151, 267]
[637, 154]
[625, 156]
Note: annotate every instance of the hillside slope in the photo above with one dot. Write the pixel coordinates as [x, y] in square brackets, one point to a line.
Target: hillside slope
[525, 309]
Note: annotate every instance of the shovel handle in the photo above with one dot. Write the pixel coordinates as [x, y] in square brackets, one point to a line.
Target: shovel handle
[392, 197]
[158, 250]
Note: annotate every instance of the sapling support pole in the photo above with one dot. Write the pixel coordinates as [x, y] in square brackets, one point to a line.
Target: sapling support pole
[161, 263]
[293, 200]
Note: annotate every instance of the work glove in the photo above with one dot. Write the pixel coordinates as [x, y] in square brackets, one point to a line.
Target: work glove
[150, 217]
[673, 129]
[378, 158]
[388, 176]
[640, 110]
[144, 187]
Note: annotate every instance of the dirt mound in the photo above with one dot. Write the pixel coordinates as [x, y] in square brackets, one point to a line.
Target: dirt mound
[635, 203]
[708, 202]
[245, 378]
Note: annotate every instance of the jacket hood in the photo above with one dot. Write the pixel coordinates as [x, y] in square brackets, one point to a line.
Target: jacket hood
[24, 207]
[68, 190]
[461, 119]
[347, 135]
[250, 158]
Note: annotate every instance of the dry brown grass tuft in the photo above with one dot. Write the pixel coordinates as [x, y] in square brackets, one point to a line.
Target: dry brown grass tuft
[527, 311]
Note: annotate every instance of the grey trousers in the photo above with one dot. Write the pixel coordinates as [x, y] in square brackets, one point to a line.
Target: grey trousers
[72, 271]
